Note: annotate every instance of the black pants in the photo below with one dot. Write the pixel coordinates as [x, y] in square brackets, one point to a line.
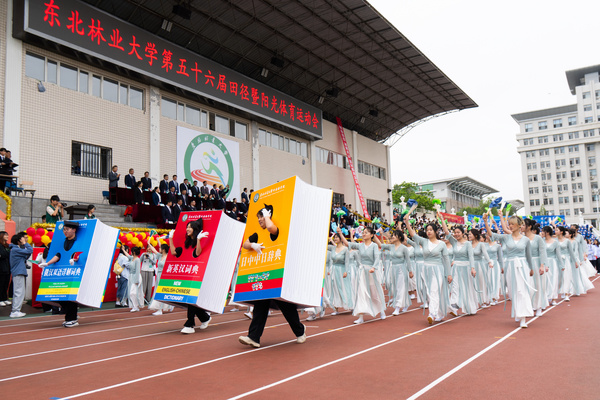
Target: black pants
[4, 282]
[261, 312]
[596, 264]
[192, 313]
[70, 309]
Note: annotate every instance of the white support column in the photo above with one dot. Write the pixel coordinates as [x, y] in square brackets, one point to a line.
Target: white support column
[313, 162]
[13, 62]
[154, 112]
[255, 155]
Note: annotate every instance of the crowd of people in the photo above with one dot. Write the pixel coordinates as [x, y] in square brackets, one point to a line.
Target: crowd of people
[457, 269]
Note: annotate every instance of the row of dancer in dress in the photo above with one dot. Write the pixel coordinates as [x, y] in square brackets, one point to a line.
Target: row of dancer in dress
[457, 272]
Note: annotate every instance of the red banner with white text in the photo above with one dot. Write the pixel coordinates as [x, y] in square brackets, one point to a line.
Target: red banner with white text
[453, 218]
[363, 204]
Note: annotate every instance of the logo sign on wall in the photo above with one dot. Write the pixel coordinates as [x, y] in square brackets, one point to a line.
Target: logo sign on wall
[205, 157]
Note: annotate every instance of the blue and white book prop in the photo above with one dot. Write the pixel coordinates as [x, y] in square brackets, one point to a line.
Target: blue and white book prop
[82, 271]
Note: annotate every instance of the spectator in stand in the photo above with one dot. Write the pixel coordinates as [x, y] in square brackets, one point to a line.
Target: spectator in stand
[214, 196]
[185, 186]
[233, 213]
[138, 193]
[164, 184]
[223, 192]
[192, 206]
[146, 181]
[113, 177]
[130, 181]
[156, 196]
[90, 212]
[174, 184]
[177, 210]
[76, 170]
[245, 195]
[205, 196]
[167, 215]
[195, 191]
[4, 269]
[243, 206]
[20, 251]
[172, 195]
[54, 211]
[184, 200]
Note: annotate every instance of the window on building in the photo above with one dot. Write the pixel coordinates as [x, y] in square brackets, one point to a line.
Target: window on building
[557, 138]
[572, 121]
[593, 172]
[561, 175]
[530, 154]
[528, 127]
[573, 161]
[52, 72]
[544, 152]
[532, 178]
[84, 79]
[548, 201]
[221, 124]
[528, 141]
[547, 189]
[574, 148]
[544, 164]
[587, 107]
[559, 150]
[576, 174]
[192, 116]
[96, 86]
[557, 123]
[542, 139]
[542, 125]
[573, 135]
[372, 206]
[90, 160]
[338, 198]
[241, 130]
[585, 95]
[531, 165]
[168, 108]
[35, 66]
[110, 90]
[534, 190]
[68, 77]
[592, 160]
[560, 163]
[546, 176]
[588, 132]
[588, 120]
[590, 147]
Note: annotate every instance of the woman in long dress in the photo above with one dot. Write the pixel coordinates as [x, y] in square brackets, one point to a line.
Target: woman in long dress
[463, 281]
[341, 283]
[412, 282]
[400, 272]
[483, 266]
[539, 299]
[565, 282]
[496, 273]
[555, 264]
[581, 282]
[436, 271]
[517, 249]
[419, 283]
[368, 293]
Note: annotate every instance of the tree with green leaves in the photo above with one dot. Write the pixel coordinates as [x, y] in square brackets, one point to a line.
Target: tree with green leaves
[483, 206]
[411, 190]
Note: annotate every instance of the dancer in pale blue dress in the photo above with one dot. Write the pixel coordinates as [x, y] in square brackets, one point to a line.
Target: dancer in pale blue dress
[400, 272]
[463, 282]
[483, 266]
[566, 249]
[581, 282]
[368, 293]
[554, 266]
[341, 282]
[419, 268]
[517, 249]
[412, 282]
[539, 298]
[436, 271]
[495, 280]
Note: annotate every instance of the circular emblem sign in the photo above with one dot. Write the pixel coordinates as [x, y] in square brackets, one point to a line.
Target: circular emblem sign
[207, 159]
[184, 218]
[256, 197]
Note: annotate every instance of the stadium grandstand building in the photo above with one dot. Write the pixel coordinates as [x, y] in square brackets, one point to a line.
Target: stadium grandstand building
[457, 193]
[257, 86]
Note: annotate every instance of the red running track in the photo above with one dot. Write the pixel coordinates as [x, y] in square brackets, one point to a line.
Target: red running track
[115, 354]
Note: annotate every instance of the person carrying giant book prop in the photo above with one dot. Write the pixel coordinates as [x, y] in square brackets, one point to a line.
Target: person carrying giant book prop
[204, 249]
[282, 262]
[78, 267]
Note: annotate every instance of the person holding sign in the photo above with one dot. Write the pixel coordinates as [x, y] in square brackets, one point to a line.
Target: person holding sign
[69, 307]
[261, 307]
[193, 235]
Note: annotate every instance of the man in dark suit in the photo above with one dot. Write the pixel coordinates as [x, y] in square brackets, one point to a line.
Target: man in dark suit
[205, 196]
[216, 199]
[146, 181]
[174, 184]
[167, 215]
[172, 196]
[6, 167]
[195, 189]
[130, 181]
[176, 210]
[164, 184]
[156, 197]
[192, 206]
[245, 195]
[184, 199]
[113, 177]
[185, 185]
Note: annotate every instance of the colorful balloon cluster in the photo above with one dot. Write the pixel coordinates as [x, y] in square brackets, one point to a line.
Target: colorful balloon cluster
[141, 240]
[39, 237]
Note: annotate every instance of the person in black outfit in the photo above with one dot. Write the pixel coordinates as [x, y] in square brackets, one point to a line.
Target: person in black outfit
[167, 215]
[205, 196]
[193, 236]
[4, 269]
[156, 196]
[69, 307]
[164, 184]
[147, 182]
[138, 193]
[130, 179]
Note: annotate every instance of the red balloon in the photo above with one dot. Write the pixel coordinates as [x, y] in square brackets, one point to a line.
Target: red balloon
[145, 243]
[123, 238]
[37, 240]
[129, 244]
[140, 236]
[40, 231]
[30, 231]
[50, 234]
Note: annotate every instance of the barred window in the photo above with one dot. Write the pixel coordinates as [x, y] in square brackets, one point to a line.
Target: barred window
[90, 160]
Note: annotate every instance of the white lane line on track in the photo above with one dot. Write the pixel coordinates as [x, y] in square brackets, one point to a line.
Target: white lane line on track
[107, 330]
[228, 357]
[476, 356]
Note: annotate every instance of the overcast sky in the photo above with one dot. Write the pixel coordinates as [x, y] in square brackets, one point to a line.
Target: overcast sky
[509, 57]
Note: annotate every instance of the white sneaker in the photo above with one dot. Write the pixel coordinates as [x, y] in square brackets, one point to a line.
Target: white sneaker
[567, 298]
[322, 314]
[523, 323]
[485, 306]
[159, 312]
[335, 313]
[2, 304]
[8, 302]
[188, 330]
[70, 324]
[383, 316]
[134, 309]
[117, 303]
[493, 303]
[396, 311]
[234, 309]
[438, 319]
[360, 320]
[554, 302]
[204, 325]
[248, 315]
[301, 339]
[249, 342]
[412, 296]
[311, 317]
[17, 314]
[405, 309]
